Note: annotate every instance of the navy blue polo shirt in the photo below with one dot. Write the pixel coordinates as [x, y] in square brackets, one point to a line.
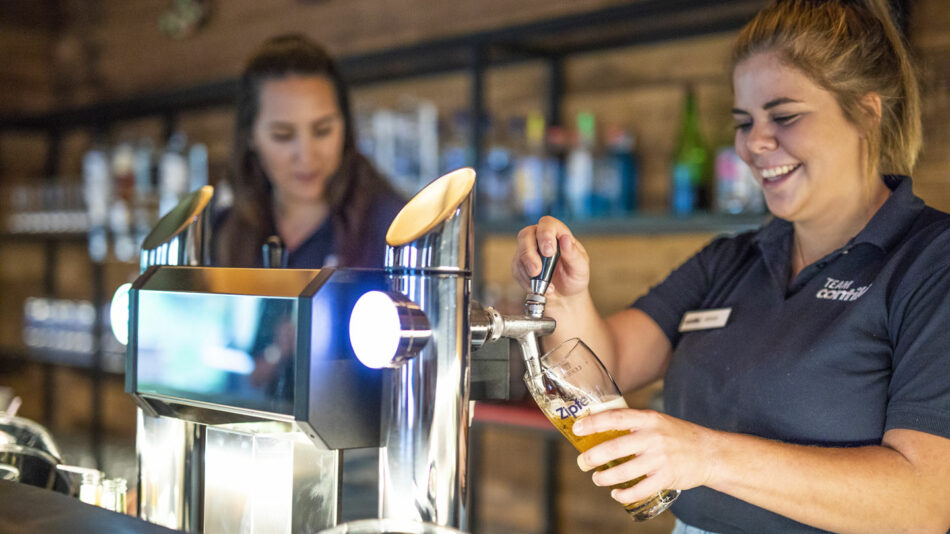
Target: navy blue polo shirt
[320, 249]
[857, 344]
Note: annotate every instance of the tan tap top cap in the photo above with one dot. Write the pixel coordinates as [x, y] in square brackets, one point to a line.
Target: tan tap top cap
[176, 220]
[431, 206]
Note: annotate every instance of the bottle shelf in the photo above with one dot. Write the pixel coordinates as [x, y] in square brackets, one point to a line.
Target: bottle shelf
[112, 362]
[641, 224]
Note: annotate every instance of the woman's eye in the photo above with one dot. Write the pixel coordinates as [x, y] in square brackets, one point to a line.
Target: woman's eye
[786, 119]
[281, 137]
[323, 132]
[743, 126]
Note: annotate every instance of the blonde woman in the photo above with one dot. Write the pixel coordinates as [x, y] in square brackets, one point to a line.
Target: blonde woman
[823, 403]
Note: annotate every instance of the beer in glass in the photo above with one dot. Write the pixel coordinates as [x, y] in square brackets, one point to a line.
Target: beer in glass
[573, 383]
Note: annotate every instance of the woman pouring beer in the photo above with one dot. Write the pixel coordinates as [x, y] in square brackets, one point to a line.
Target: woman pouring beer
[820, 401]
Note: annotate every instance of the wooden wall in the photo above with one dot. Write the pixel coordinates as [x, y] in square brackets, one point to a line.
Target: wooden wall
[131, 55]
[930, 35]
[27, 34]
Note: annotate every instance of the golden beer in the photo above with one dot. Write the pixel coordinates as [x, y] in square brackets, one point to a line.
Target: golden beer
[563, 415]
[570, 383]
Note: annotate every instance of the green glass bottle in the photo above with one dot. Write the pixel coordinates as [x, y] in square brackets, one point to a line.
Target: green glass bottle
[689, 191]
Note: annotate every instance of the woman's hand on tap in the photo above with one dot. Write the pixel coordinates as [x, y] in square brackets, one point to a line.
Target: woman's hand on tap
[572, 274]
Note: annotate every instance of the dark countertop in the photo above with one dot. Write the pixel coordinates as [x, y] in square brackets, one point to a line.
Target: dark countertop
[26, 508]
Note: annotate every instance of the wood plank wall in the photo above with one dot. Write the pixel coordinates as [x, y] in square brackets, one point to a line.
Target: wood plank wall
[27, 37]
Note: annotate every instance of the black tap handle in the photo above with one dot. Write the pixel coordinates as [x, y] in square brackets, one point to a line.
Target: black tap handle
[539, 284]
[273, 250]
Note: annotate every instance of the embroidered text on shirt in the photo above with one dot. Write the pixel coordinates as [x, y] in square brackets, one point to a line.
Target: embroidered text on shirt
[841, 290]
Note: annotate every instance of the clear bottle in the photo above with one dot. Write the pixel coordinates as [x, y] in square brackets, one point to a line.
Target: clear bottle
[496, 174]
[580, 169]
[456, 150]
[556, 140]
[89, 487]
[736, 188]
[172, 174]
[113, 496]
[197, 166]
[689, 191]
[97, 192]
[533, 172]
[145, 209]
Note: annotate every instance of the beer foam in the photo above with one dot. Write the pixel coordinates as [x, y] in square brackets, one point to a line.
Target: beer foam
[613, 403]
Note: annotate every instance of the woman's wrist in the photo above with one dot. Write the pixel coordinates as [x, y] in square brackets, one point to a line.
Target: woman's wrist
[569, 307]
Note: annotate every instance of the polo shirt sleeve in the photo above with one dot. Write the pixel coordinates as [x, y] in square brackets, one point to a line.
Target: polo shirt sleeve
[920, 382]
[683, 290]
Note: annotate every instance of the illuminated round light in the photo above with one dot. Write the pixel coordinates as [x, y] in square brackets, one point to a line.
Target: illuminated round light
[119, 313]
[375, 329]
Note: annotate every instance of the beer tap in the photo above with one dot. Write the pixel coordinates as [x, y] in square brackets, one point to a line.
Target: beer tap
[273, 252]
[488, 325]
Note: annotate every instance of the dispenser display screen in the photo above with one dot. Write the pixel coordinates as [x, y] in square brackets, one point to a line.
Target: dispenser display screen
[236, 350]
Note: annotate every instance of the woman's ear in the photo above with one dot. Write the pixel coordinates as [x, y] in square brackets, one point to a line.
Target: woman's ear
[872, 103]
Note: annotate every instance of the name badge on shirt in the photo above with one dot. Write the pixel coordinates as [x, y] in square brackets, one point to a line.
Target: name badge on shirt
[704, 319]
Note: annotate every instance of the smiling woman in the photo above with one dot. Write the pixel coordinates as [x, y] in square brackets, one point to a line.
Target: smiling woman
[296, 171]
[821, 401]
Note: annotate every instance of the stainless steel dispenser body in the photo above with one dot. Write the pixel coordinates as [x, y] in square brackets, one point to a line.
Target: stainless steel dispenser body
[274, 421]
[425, 413]
[205, 463]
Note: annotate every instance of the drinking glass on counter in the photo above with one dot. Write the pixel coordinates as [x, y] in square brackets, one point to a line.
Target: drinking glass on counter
[573, 383]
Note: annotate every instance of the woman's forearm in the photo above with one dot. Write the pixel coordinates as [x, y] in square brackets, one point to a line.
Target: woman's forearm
[577, 316]
[856, 489]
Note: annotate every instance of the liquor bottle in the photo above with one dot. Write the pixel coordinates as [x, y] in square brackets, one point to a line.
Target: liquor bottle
[615, 185]
[120, 224]
[145, 209]
[690, 176]
[456, 150]
[736, 188]
[97, 192]
[556, 190]
[172, 174]
[496, 174]
[580, 169]
[531, 169]
[197, 166]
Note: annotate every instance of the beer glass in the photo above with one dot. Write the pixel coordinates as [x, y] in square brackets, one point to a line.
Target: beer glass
[572, 383]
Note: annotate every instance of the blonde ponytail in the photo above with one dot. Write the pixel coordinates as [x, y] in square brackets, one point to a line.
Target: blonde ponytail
[850, 48]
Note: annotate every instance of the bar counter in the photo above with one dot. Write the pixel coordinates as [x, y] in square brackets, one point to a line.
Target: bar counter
[26, 508]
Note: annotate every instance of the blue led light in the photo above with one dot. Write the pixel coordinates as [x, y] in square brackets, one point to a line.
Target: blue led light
[375, 330]
[119, 313]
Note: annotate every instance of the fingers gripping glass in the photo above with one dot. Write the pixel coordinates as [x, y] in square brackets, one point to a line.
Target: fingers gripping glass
[573, 383]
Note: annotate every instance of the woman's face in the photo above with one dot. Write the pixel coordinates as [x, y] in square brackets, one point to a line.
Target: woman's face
[792, 133]
[298, 136]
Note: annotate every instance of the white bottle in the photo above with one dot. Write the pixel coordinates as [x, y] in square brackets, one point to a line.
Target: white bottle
[172, 174]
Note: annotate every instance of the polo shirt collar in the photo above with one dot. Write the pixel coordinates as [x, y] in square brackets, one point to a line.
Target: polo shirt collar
[884, 230]
[895, 216]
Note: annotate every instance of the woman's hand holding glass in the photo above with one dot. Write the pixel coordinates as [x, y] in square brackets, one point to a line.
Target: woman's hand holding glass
[666, 449]
[572, 384]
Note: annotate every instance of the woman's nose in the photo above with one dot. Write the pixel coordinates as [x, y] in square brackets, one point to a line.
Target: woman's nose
[761, 138]
[306, 149]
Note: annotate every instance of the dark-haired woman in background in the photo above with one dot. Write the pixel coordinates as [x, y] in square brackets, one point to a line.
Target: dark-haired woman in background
[296, 172]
